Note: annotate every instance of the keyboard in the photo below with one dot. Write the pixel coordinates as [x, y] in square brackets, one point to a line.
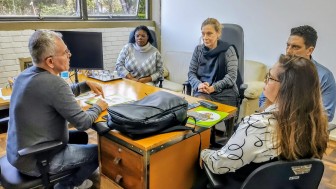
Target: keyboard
[105, 78]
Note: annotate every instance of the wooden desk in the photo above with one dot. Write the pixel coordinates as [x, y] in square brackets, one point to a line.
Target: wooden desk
[162, 161]
[4, 104]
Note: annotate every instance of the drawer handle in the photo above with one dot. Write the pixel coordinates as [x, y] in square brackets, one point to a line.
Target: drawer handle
[118, 179]
[116, 160]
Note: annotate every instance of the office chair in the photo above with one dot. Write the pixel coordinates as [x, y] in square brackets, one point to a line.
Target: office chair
[4, 117]
[4, 124]
[232, 34]
[11, 178]
[298, 174]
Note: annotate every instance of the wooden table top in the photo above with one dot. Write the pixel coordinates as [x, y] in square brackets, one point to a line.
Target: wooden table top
[4, 104]
[135, 90]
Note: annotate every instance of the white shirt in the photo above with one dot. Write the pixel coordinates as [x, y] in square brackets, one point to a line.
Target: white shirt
[252, 142]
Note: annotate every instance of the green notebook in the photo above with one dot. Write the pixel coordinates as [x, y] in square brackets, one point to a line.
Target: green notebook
[206, 117]
[92, 101]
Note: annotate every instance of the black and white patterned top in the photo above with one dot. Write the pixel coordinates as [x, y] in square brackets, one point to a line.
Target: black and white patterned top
[252, 142]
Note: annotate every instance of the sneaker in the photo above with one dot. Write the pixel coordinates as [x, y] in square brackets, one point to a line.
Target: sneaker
[85, 185]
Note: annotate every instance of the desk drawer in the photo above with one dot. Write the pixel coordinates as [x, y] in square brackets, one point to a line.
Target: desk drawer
[121, 165]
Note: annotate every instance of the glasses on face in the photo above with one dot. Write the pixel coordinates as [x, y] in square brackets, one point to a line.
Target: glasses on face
[269, 77]
[66, 52]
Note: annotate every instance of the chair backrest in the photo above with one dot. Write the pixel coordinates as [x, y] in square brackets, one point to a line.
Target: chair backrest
[305, 174]
[234, 34]
[152, 33]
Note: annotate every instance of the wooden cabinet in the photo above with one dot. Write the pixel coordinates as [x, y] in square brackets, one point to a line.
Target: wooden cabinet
[163, 161]
[123, 166]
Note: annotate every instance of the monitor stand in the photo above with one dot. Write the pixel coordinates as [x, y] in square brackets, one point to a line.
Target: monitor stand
[76, 76]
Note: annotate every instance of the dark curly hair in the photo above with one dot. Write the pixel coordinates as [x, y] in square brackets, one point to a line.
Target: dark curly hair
[144, 28]
[308, 33]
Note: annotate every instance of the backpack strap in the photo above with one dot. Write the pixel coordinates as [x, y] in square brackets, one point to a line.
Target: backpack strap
[181, 127]
[176, 128]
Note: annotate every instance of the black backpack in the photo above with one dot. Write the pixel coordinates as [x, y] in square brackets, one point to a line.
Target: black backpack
[160, 112]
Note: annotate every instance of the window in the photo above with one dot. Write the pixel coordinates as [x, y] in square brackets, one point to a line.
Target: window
[73, 9]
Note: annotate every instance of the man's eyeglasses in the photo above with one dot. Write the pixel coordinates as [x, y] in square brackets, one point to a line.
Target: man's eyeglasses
[269, 77]
[66, 52]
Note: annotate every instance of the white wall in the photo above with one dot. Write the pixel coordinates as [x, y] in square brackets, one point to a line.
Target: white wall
[266, 25]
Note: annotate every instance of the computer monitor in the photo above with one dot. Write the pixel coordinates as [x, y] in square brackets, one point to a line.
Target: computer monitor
[86, 49]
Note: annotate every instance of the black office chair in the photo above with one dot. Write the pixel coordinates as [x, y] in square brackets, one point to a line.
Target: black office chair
[4, 117]
[154, 43]
[4, 124]
[11, 178]
[232, 34]
[299, 174]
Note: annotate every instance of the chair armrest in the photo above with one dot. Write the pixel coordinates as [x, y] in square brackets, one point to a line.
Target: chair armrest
[160, 81]
[101, 128]
[331, 126]
[4, 120]
[254, 89]
[214, 179]
[186, 88]
[40, 148]
[78, 137]
[243, 86]
[242, 89]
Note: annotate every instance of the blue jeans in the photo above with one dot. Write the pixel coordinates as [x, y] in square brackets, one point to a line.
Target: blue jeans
[81, 156]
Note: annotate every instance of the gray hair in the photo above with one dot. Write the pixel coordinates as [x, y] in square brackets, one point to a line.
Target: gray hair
[42, 44]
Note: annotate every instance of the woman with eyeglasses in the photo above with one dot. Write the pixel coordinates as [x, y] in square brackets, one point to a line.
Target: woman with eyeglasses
[291, 126]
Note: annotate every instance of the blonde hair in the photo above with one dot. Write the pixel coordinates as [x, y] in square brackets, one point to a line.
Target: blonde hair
[215, 23]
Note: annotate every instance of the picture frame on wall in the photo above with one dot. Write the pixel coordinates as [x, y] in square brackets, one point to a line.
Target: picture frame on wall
[25, 63]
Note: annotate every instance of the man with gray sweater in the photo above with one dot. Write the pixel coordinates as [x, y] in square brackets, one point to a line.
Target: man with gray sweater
[42, 104]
